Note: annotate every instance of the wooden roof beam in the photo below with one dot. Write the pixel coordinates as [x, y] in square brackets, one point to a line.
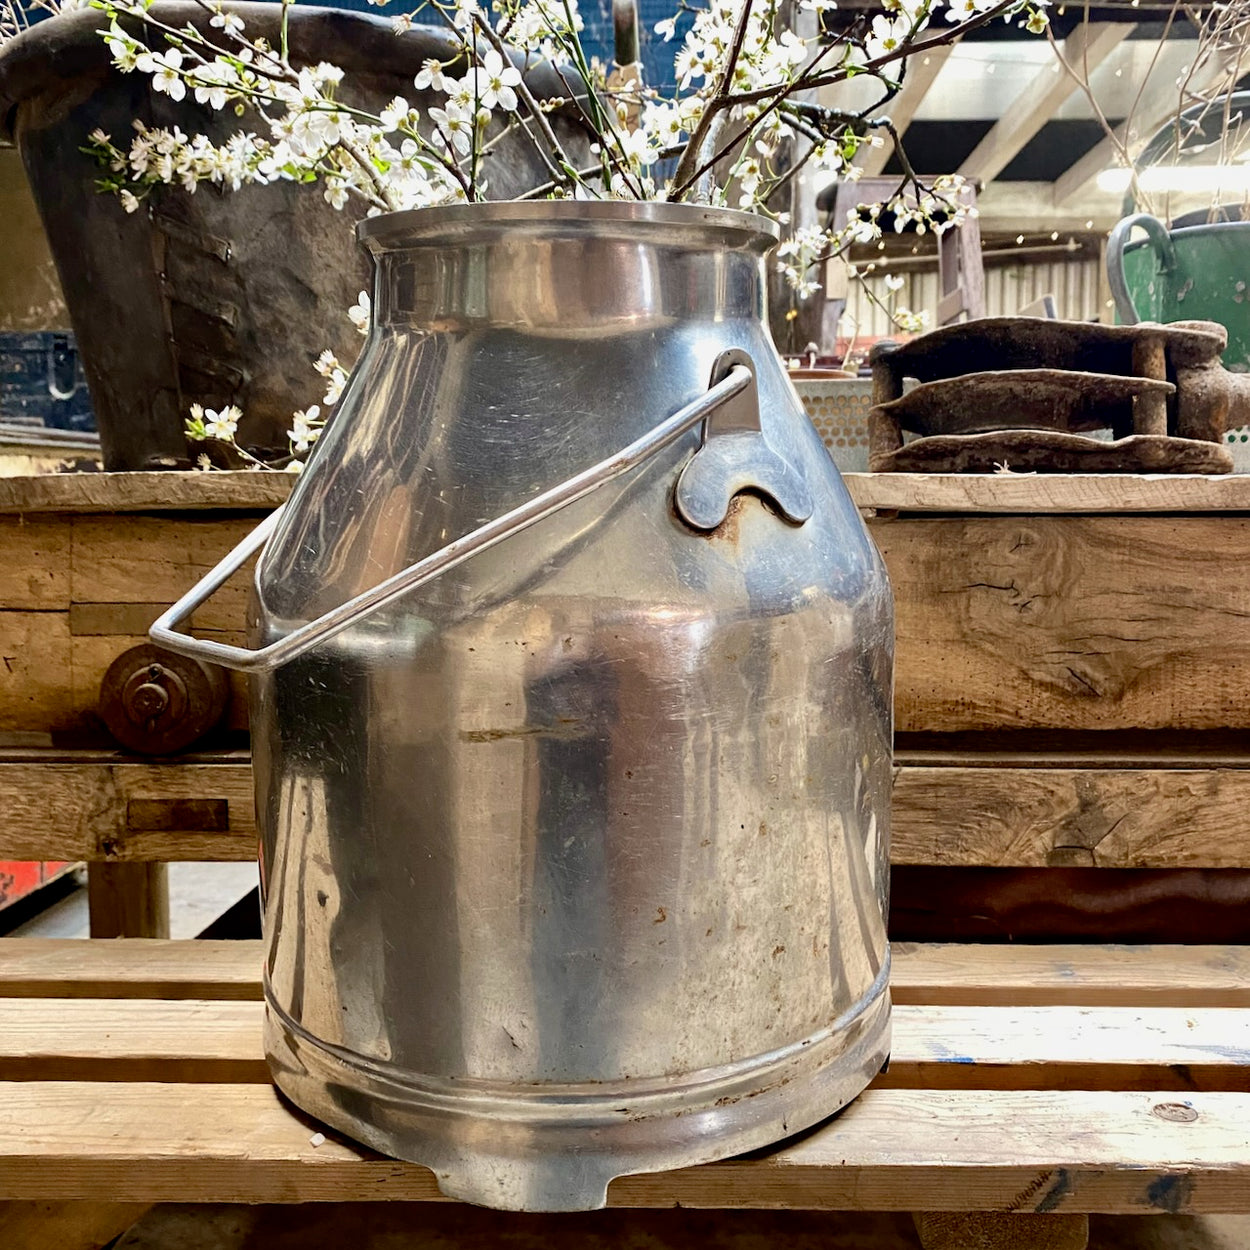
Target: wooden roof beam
[1086, 48]
[921, 75]
[1075, 183]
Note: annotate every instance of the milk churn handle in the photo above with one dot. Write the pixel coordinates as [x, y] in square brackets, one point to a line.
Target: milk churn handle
[264, 659]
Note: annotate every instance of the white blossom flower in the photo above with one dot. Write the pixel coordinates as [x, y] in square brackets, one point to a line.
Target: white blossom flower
[335, 193]
[886, 35]
[231, 23]
[456, 124]
[203, 463]
[326, 363]
[124, 50]
[210, 82]
[305, 428]
[165, 68]
[429, 76]
[223, 424]
[395, 114]
[495, 82]
[334, 387]
[893, 282]
[360, 312]
[464, 13]
[129, 201]
[910, 322]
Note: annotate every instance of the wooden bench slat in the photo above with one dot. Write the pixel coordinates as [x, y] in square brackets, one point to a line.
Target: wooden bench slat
[1071, 817]
[1050, 1048]
[916, 492]
[83, 1039]
[1077, 975]
[1033, 493]
[64, 811]
[937, 974]
[1003, 816]
[129, 968]
[890, 1150]
[1114, 1048]
[1071, 623]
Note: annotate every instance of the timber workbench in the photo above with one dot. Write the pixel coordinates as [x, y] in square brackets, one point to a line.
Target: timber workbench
[1103, 616]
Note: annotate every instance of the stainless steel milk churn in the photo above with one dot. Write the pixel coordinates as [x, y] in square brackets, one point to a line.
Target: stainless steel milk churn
[571, 674]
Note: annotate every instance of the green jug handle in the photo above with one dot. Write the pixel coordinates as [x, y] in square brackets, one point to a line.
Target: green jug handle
[1159, 240]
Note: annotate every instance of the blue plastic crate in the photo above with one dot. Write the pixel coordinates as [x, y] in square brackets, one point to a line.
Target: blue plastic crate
[41, 381]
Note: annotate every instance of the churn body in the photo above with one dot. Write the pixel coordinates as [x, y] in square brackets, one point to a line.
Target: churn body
[575, 858]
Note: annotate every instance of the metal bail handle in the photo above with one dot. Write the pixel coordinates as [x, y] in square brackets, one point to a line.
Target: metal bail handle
[264, 659]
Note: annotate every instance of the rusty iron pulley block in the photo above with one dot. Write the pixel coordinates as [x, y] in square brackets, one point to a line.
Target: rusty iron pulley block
[155, 702]
[1027, 393]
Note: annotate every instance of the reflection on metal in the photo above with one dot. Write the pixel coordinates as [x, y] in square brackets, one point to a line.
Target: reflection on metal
[575, 859]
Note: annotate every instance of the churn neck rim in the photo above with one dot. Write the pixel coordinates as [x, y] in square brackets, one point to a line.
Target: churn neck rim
[695, 224]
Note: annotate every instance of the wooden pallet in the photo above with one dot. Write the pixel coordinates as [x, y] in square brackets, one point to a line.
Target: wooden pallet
[1034, 1083]
[1058, 1079]
[1011, 592]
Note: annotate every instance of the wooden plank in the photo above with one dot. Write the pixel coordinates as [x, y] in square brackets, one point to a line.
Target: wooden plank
[84, 1039]
[997, 492]
[1084, 49]
[1029, 208]
[1050, 1048]
[90, 620]
[933, 974]
[966, 816]
[1041, 1048]
[1040, 817]
[261, 492]
[129, 968]
[158, 559]
[36, 672]
[128, 900]
[65, 1225]
[34, 575]
[1107, 622]
[1049, 492]
[890, 1150]
[953, 974]
[145, 492]
[80, 811]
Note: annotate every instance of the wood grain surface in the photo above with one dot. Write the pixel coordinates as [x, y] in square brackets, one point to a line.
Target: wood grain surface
[1029, 493]
[1072, 623]
[974, 1047]
[922, 974]
[105, 809]
[889, 1150]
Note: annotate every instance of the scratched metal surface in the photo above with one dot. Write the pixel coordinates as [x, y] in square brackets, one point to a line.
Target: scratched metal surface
[593, 826]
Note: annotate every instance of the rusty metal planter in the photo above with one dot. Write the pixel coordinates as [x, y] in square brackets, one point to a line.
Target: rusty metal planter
[209, 297]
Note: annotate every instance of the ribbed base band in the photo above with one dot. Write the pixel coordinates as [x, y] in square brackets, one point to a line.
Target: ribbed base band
[556, 1147]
